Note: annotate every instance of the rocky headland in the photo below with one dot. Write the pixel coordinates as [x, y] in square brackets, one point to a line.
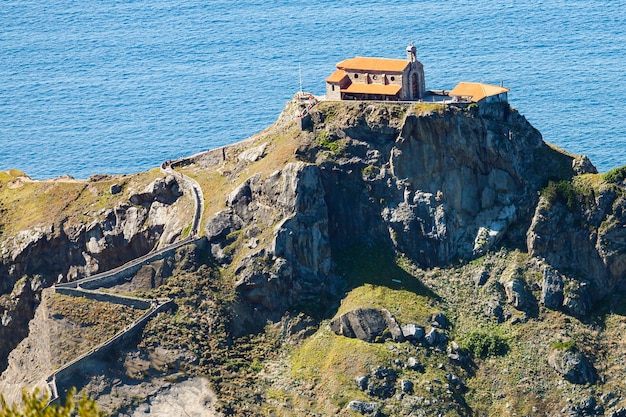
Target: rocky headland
[372, 259]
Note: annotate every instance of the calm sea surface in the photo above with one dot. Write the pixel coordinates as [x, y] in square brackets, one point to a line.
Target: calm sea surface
[103, 86]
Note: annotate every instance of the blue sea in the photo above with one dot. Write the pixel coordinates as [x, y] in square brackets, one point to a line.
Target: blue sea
[105, 86]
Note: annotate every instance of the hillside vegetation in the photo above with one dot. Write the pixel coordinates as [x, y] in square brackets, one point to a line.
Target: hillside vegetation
[387, 259]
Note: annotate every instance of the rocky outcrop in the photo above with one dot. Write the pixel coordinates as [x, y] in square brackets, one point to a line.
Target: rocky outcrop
[163, 190]
[65, 251]
[552, 289]
[437, 185]
[573, 366]
[582, 233]
[294, 265]
[364, 408]
[37, 258]
[16, 310]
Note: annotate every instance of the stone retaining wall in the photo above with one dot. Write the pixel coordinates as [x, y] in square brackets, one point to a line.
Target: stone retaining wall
[138, 303]
[114, 276]
[65, 372]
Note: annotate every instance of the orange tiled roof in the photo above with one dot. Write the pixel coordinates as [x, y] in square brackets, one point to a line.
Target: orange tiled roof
[477, 91]
[336, 76]
[387, 90]
[360, 63]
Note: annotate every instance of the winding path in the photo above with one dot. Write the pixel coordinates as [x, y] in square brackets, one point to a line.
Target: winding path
[87, 287]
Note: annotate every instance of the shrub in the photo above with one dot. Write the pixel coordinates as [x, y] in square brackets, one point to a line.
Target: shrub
[615, 175]
[326, 142]
[561, 192]
[566, 345]
[481, 344]
[34, 404]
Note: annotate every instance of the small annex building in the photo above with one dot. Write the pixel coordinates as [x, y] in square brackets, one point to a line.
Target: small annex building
[465, 92]
[362, 78]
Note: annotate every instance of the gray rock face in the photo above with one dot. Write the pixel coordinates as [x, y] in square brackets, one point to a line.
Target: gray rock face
[413, 332]
[573, 366]
[16, 310]
[552, 289]
[578, 300]
[586, 238]
[517, 294]
[438, 185]
[367, 324]
[394, 183]
[294, 267]
[582, 165]
[363, 407]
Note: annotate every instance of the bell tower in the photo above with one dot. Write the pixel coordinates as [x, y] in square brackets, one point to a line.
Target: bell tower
[411, 53]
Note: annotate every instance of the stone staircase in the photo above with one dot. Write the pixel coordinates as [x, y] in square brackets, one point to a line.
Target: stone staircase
[88, 287]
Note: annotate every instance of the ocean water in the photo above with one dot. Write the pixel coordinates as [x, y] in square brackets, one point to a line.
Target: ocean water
[108, 86]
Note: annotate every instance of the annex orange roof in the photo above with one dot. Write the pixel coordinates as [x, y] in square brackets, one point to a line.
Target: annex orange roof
[476, 91]
[336, 76]
[387, 90]
[360, 63]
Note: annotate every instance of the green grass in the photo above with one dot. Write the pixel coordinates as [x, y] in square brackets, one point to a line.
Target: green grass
[376, 279]
[186, 231]
[564, 345]
[616, 175]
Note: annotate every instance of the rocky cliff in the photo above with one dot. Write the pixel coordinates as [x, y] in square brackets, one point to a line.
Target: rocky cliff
[435, 183]
[578, 228]
[473, 258]
[74, 245]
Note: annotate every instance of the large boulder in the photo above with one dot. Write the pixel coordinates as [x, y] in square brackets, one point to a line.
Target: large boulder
[517, 294]
[413, 332]
[164, 190]
[367, 324]
[364, 407]
[552, 289]
[435, 338]
[573, 366]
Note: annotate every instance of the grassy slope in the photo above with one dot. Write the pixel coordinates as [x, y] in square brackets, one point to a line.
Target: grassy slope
[82, 324]
[318, 376]
[27, 204]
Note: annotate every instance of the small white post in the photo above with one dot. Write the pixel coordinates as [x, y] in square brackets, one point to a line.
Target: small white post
[300, 73]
